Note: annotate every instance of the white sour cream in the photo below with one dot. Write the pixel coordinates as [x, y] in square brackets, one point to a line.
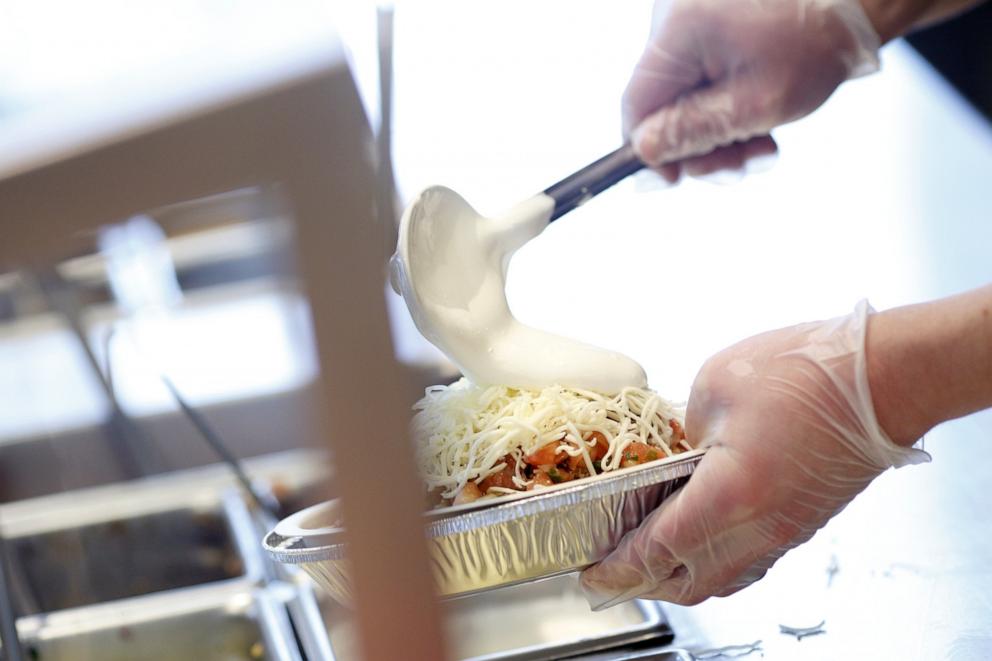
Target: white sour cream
[450, 267]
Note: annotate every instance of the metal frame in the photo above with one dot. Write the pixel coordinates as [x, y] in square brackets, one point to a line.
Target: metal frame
[297, 126]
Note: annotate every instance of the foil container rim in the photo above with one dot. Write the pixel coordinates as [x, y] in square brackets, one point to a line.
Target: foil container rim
[289, 543]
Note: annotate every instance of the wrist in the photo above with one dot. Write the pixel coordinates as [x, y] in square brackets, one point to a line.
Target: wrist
[892, 18]
[889, 353]
[929, 363]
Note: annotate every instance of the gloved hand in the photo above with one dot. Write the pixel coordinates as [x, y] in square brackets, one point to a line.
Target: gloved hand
[718, 75]
[792, 436]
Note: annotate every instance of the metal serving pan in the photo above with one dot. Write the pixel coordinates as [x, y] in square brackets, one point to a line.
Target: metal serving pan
[226, 622]
[503, 541]
[537, 621]
[105, 559]
[659, 654]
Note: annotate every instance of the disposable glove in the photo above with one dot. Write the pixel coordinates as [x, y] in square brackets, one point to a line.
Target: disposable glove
[718, 75]
[792, 437]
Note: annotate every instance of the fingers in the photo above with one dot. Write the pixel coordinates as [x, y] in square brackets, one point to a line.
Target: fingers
[670, 172]
[736, 157]
[702, 542]
[752, 575]
[680, 122]
[669, 67]
[726, 111]
[750, 157]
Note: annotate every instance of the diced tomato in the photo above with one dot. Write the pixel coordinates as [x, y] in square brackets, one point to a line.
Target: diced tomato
[638, 453]
[503, 479]
[596, 452]
[549, 475]
[576, 464]
[677, 430]
[546, 454]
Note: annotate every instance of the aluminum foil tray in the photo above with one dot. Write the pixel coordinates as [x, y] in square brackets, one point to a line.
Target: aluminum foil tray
[503, 541]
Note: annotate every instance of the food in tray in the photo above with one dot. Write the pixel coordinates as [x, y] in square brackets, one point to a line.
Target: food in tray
[477, 442]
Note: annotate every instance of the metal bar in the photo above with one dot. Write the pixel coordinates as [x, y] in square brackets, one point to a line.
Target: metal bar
[122, 434]
[581, 186]
[220, 447]
[386, 202]
[12, 650]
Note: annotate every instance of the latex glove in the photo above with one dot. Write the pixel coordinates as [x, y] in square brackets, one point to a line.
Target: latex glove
[718, 75]
[792, 436]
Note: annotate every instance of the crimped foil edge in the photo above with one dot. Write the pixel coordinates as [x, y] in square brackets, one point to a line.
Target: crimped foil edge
[297, 556]
[285, 548]
[572, 495]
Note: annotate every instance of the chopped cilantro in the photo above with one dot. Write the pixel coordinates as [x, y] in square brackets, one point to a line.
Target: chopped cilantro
[652, 455]
[554, 475]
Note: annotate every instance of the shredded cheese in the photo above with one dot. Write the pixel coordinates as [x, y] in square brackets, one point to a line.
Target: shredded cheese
[464, 431]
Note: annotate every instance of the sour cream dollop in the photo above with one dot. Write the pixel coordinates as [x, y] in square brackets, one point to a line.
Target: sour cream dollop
[450, 267]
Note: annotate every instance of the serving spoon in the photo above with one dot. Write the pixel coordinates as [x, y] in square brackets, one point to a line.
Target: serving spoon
[450, 267]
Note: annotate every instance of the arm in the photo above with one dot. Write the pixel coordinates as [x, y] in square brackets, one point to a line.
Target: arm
[893, 19]
[931, 362]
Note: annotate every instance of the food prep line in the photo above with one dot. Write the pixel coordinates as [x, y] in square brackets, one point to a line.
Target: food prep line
[172, 567]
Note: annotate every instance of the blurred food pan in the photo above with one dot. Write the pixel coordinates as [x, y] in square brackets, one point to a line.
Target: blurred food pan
[537, 621]
[226, 622]
[114, 555]
[503, 541]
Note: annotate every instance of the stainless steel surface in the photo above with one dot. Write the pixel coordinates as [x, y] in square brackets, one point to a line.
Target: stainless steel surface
[261, 500]
[542, 620]
[117, 558]
[302, 605]
[293, 474]
[150, 538]
[79, 458]
[502, 542]
[130, 446]
[582, 185]
[9, 640]
[308, 621]
[547, 620]
[658, 654]
[227, 623]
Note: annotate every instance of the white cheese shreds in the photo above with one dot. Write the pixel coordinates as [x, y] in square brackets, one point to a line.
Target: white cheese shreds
[463, 432]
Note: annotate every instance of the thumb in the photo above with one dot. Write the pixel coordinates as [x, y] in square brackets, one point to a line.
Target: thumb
[696, 123]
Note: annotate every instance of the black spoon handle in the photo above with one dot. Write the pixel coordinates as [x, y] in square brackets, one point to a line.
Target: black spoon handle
[593, 179]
